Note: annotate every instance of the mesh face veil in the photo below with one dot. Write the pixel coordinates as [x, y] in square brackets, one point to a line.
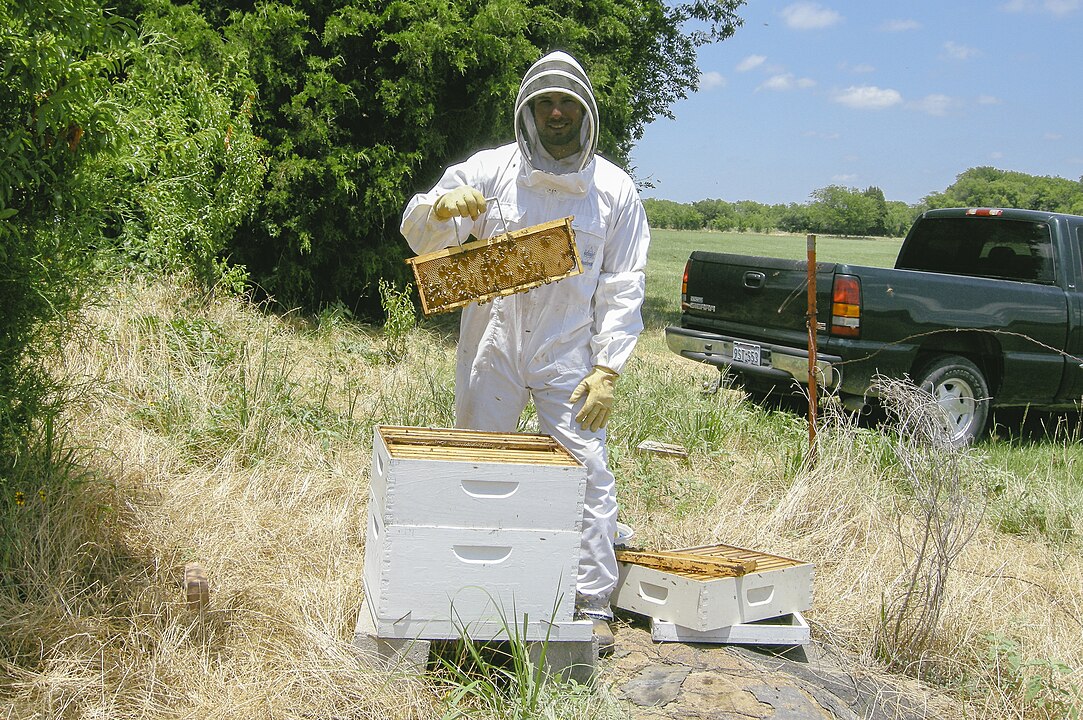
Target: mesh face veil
[556, 72]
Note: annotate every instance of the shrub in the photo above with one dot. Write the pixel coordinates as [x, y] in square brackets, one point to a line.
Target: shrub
[57, 60]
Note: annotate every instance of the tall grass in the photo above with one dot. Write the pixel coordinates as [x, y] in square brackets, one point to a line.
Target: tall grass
[211, 431]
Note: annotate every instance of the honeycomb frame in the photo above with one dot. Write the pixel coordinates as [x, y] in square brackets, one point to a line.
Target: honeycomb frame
[505, 264]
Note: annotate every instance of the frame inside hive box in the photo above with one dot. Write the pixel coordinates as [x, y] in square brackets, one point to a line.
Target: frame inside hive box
[473, 532]
[481, 270]
[718, 586]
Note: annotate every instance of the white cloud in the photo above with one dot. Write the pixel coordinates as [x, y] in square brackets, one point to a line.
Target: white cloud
[868, 97]
[844, 178]
[988, 100]
[1052, 136]
[957, 51]
[787, 81]
[711, 80]
[934, 104]
[1061, 7]
[900, 25]
[1057, 8]
[996, 155]
[809, 16]
[751, 62]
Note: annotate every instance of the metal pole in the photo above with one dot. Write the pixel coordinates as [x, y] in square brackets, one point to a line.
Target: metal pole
[813, 403]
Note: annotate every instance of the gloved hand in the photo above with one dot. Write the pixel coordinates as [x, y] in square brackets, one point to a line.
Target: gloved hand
[597, 388]
[463, 201]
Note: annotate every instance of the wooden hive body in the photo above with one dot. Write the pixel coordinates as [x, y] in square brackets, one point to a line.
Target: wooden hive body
[471, 531]
[703, 601]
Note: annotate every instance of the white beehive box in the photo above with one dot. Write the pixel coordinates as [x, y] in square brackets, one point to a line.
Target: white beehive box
[702, 602]
[791, 629]
[473, 532]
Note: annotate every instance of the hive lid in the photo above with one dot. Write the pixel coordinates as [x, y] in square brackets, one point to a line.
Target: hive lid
[452, 444]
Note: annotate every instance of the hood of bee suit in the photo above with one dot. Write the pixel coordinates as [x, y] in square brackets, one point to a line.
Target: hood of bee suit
[556, 72]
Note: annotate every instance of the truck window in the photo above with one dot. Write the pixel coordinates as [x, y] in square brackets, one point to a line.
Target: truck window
[981, 247]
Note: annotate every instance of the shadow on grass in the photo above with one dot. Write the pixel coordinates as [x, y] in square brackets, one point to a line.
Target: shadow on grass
[659, 313]
[1025, 426]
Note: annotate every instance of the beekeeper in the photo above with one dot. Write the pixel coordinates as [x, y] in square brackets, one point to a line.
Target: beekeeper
[563, 344]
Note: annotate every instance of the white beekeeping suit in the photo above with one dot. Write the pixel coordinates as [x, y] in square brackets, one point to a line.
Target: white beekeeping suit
[541, 344]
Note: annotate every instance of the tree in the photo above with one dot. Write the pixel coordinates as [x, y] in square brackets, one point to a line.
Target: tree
[990, 187]
[186, 168]
[58, 59]
[362, 102]
[794, 218]
[673, 215]
[121, 140]
[899, 218]
[846, 211]
[877, 222]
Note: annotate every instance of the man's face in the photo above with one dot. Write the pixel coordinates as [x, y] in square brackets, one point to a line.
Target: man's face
[559, 118]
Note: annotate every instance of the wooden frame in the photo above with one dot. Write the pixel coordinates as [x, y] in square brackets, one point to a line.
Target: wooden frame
[479, 257]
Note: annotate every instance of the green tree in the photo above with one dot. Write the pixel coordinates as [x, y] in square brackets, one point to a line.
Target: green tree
[362, 102]
[846, 211]
[877, 206]
[187, 168]
[751, 215]
[794, 218]
[58, 59]
[899, 218]
[990, 187]
[121, 140]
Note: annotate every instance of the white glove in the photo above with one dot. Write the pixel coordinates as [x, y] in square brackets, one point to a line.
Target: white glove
[463, 201]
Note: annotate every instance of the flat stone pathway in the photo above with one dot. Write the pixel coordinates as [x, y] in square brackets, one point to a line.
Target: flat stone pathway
[658, 681]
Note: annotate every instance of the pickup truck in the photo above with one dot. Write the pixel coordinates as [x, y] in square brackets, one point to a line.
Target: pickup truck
[984, 308]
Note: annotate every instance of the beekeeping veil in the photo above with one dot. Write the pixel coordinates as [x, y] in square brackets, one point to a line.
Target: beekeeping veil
[556, 72]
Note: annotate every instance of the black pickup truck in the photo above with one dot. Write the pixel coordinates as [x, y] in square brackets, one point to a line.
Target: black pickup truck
[984, 308]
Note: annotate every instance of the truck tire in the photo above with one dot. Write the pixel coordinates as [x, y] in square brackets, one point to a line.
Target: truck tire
[962, 393]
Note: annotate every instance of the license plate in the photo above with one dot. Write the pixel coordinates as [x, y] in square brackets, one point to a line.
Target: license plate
[747, 354]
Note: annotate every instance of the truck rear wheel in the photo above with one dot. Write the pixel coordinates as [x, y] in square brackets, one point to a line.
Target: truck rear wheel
[962, 393]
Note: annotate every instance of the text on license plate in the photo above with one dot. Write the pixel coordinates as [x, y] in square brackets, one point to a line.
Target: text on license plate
[748, 354]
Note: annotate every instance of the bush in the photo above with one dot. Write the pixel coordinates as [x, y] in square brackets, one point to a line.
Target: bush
[187, 167]
[57, 60]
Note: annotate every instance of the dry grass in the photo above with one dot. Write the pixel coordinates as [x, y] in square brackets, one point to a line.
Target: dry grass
[199, 452]
[219, 434]
[848, 516]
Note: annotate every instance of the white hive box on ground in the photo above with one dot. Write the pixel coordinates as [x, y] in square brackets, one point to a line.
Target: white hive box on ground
[791, 629]
[705, 601]
[472, 532]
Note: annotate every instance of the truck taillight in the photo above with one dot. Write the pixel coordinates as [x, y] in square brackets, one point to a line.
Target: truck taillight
[985, 212]
[846, 306]
[684, 287]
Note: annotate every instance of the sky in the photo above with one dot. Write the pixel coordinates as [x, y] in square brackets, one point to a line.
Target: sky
[904, 96]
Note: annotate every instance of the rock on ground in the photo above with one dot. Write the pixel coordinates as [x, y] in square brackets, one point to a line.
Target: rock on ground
[657, 681]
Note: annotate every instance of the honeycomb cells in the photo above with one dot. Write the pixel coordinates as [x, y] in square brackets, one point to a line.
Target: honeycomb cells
[510, 263]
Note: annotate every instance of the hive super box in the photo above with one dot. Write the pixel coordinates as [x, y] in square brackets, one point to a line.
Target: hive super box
[473, 533]
[700, 602]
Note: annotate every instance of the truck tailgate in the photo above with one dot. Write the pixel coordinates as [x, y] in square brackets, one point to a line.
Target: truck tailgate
[769, 294]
